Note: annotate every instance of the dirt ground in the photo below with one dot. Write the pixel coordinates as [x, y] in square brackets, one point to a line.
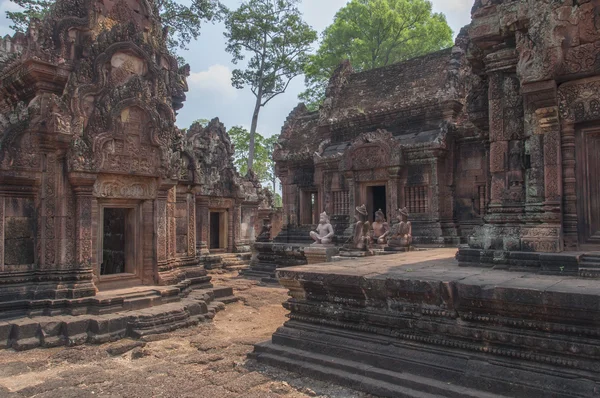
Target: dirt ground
[208, 360]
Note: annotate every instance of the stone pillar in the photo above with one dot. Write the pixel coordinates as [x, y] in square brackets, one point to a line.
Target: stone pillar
[235, 226]
[434, 189]
[171, 223]
[1, 233]
[498, 148]
[203, 214]
[569, 180]
[86, 222]
[161, 222]
[47, 226]
[351, 194]
[191, 205]
[392, 189]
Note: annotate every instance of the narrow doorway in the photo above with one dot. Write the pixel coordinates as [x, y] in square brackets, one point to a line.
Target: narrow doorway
[376, 199]
[114, 242]
[215, 230]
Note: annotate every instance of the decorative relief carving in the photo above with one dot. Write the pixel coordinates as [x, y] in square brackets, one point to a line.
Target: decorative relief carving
[1, 233]
[126, 187]
[161, 229]
[191, 227]
[579, 101]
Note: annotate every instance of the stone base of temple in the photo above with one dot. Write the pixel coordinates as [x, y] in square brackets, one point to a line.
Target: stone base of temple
[565, 263]
[113, 315]
[416, 324]
[268, 256]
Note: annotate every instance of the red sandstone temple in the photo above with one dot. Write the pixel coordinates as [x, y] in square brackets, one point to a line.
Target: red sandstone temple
[492, 143]
[98, 187]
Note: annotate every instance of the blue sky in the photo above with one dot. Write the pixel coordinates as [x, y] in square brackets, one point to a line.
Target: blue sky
[211, 94]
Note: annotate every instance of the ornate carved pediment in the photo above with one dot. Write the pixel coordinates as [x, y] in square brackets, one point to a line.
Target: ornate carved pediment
[129, 149]
[125, 187]
[579, 101]
[373, 150]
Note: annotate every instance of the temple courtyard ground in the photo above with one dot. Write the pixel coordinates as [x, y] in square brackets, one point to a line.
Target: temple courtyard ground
[208, 360]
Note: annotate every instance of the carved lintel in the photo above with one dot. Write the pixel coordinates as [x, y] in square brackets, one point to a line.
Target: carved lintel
[125, 187]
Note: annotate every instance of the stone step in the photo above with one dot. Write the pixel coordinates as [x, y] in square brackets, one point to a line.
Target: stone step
[155, 318]
[360, 376]
[237, 268]
[586, 272]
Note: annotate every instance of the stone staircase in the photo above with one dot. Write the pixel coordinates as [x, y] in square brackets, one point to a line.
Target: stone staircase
[589, 265]
[136, 313]
[235, 261]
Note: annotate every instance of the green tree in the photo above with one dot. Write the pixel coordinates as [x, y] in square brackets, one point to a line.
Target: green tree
[240, 138]
[371, 34]
[270, 147]
[277, 41]
[183, 21]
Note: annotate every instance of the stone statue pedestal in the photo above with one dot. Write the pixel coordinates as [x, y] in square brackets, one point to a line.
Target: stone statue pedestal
[398, 249]
[318, 253]
[356, 253]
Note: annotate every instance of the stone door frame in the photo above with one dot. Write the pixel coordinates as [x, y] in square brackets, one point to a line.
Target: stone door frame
[135, 255]
[223, 229]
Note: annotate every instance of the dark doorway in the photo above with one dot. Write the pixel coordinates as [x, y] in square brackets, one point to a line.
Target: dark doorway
[215, 230]
[113, 241]
[376, 200]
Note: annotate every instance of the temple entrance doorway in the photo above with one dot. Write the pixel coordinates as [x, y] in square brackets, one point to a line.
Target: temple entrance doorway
[588, 147]
[118, 244]
[218, 231]
[376, 199]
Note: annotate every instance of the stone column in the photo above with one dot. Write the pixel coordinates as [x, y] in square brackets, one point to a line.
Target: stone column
[498, 147]
[161, 236]
[235, 223]
[569, 180]
[203, 214]
[1, 233]
[351, 194]
[86, 223]
[191, 205]
[392, 189]
[171, 223]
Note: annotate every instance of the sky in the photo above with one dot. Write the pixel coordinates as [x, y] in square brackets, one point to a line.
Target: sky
[210, 92]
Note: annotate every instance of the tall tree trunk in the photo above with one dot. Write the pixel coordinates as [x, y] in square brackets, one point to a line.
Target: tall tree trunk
[253, 130]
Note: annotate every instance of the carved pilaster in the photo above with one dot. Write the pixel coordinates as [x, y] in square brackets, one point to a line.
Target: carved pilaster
[392, 189]
[203, 215]
[86, 216]
[569, 181]
[235, 226]
[171, 223]
[161, 226]
[352, 192]
[1, 233]
[191, 206]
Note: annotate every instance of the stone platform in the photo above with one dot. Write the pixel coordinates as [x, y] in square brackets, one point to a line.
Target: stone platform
[418, 325]
[115, 314]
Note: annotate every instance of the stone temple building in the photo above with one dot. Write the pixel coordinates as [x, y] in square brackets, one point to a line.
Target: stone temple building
[389, 138]
[490, 143]
[98, 187]
[494, 143]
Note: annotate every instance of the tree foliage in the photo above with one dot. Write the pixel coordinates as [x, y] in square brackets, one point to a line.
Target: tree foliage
[371, 34]
[183, 21]
[272, 34]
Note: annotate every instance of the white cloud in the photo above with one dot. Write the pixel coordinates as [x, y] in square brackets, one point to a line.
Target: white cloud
[216, 80]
